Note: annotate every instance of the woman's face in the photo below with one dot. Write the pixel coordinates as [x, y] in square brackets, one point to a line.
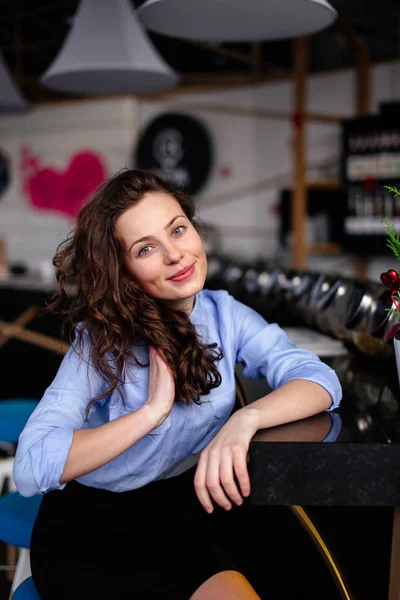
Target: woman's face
[163, 251]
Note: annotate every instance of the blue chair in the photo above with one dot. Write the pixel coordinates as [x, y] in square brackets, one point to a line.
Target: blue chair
[14, 413]
[17, 514]
[26, 591]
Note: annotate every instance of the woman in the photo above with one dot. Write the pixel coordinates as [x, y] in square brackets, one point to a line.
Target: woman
[133, 443]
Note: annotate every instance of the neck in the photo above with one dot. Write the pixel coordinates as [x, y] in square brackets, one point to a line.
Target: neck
[186, 304]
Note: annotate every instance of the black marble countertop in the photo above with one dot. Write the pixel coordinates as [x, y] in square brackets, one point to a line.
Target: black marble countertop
[348, 457]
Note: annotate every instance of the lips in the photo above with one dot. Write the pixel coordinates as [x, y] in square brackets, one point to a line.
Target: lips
[183, 274]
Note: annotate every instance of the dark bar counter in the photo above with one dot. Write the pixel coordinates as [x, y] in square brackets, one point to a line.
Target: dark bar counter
[339, 474]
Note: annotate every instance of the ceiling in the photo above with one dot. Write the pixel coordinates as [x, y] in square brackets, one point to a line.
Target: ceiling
[32, 32]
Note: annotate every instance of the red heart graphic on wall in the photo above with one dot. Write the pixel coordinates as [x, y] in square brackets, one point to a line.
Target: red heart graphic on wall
[50, 189]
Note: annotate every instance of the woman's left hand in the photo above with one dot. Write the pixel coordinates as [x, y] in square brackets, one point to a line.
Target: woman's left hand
[224, 458]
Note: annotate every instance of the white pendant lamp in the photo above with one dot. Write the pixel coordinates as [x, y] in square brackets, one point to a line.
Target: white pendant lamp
[107, 51]
[11, 99]
[236, 20]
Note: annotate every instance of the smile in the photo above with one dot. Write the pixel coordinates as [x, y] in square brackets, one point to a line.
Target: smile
[184, 275]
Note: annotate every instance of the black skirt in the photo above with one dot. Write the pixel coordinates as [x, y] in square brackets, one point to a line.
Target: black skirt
[153, 542]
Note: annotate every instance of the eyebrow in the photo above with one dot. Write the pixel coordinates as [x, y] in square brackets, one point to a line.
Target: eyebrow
[146, 238]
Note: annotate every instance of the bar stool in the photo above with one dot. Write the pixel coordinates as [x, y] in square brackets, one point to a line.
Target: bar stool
[26, 591]
[14, 413]
[17, 514]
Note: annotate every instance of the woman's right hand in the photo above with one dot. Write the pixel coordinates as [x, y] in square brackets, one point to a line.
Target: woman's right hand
[161, 393]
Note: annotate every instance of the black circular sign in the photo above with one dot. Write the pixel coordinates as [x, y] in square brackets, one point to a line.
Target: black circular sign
[5, 176]
[177, 145]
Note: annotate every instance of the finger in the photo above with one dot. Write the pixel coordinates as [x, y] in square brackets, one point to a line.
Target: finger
[213, 481]
[200, 484]
[162, 366]
[241, 471]
[162, 363]
[227, 479]
[157, 356]
[160, 356]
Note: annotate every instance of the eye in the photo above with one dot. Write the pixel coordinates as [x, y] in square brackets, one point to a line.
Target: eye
[180, 227]
[142, 251]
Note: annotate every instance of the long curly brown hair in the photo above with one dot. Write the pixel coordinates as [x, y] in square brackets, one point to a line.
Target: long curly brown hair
[112, 309]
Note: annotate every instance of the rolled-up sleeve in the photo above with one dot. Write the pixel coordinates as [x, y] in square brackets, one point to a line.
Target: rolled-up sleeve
[45, 442]
[265, 350]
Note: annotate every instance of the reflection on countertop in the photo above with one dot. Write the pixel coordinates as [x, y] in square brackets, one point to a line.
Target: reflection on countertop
[368, 412]
[323, 427]
[360, 467]
[371, 394]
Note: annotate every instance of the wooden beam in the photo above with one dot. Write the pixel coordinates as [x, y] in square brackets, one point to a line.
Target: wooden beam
[299, 202]
[208, 82]
[223, 78]
[323, 184]
[23, 319]
[324, 248]
[38, 339]
[261, 113]
[249, 59]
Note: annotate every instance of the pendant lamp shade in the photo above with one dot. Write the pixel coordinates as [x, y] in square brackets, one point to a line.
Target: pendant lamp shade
[11, 99]
[236, 20]
[107, 51]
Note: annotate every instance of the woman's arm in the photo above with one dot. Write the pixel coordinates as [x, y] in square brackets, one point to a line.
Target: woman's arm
[297, 399]
[302, 386]
[225, 456]
[93, 448]
[313, 429]
[54, 448]
[266, 351]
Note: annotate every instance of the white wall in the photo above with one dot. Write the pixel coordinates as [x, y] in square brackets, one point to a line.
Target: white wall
[257, 150]
[54, 133]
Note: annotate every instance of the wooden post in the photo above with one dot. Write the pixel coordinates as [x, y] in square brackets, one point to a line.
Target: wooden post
[3, 258]
[363, 107]
[299, 199]
[362, 61]
[362, 102]
[363, 85]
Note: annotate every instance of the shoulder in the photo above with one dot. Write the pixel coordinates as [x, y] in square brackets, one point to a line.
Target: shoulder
[219, 307]
[218, 297]
[227, 304]
[215, 304]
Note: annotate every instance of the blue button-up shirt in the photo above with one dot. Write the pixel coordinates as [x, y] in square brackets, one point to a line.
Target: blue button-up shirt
[245, 337]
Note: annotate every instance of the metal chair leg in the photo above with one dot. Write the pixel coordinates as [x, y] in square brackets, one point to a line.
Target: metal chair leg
[23, 568]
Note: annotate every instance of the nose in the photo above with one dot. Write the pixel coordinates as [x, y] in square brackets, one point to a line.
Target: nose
[172, 254]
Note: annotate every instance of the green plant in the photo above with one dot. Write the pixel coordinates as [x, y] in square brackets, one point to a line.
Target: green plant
[390, 278]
